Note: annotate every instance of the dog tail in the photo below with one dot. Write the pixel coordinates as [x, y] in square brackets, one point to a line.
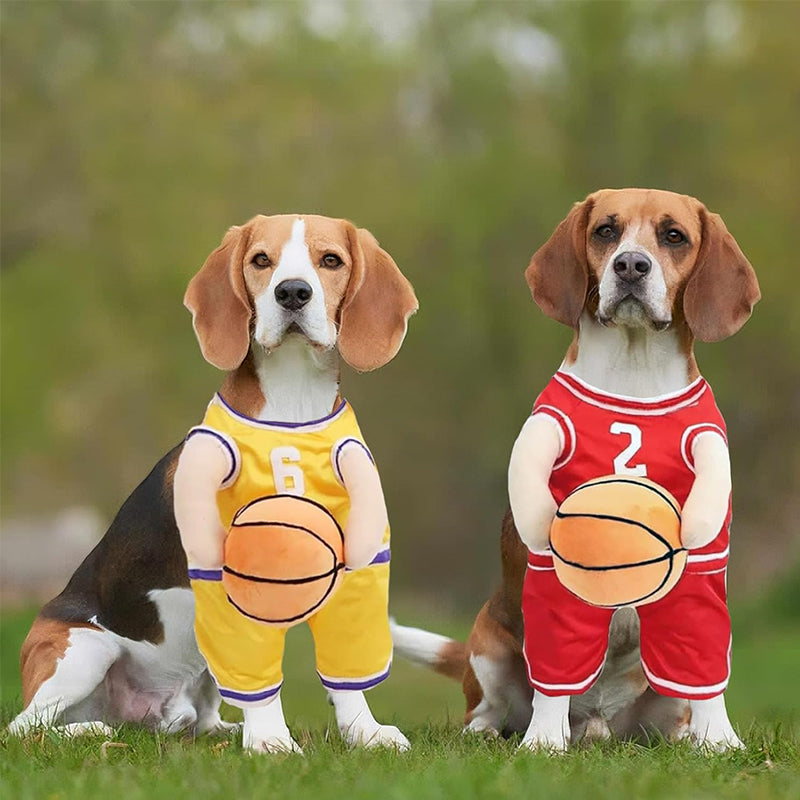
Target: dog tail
[439, 653]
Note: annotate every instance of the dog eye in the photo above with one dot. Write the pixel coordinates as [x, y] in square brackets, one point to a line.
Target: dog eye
[605, 232]
[331, 261]
[674, 236]
[261, 261]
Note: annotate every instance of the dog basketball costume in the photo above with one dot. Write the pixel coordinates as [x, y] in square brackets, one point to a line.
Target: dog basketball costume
[616, 541]
[685, 634]
[283, 559]
[285, 506]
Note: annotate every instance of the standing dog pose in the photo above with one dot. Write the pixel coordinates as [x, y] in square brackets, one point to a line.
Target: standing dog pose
[272, 306]
[639, 274]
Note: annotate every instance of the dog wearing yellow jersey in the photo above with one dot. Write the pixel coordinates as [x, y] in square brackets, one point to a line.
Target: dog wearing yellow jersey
[273, 307]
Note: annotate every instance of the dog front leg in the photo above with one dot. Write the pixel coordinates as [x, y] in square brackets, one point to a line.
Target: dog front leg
[265, 729]
[549, 728]
[357, 725]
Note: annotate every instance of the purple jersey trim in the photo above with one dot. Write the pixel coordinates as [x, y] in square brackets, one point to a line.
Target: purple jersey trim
[205, 574]
[226, 444]
[383, 557]
[346, 684]
[338, 410]
[250, 697]
[338, 451]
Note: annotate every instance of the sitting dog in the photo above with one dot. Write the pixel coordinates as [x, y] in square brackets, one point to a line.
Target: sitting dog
[274, 306]
[639, 275]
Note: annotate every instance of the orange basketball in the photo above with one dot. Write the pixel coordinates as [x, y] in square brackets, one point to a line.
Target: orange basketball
[616, 541]
[283, 559]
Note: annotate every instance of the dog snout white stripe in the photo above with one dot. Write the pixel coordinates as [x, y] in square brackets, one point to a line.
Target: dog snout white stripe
[294, 264]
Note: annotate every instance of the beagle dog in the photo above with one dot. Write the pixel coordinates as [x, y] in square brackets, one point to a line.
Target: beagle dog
[275, 306]
[639, 275]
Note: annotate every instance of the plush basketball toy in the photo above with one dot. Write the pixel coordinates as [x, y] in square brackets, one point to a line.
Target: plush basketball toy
[616, 541]
[283, 559]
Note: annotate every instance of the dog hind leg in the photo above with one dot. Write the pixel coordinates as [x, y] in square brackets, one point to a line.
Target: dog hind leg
[61, 667]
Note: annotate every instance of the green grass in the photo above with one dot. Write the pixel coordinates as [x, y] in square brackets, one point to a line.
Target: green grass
[763, 699]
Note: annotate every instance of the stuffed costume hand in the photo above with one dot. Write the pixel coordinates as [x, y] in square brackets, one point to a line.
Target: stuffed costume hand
[202, 468]
[368, 518]
[707, 504]
[535, 452]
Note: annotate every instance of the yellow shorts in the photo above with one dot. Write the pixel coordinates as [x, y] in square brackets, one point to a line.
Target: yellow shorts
[352, 640]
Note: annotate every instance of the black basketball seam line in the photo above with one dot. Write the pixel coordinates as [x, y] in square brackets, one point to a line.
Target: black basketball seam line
[630, 482]
[337, 564]
[610, 567]
[289, 581]
[638, 599]
[293, 496]
[611, 518]
[287, 620]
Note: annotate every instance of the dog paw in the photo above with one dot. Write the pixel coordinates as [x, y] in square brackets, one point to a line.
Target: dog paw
[95, 728]
[544, 740]
[272, 744]
[218, 727]
[716, 741]
[381, 736]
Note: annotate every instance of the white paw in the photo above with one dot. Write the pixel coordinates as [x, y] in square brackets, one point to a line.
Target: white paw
[271, 744]
[551, 740]
[716, 741]
[95, 728]
[480, 727]
[222, 728]
[382, 736]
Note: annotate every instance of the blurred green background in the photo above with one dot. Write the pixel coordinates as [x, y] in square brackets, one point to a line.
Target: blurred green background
[459, 133]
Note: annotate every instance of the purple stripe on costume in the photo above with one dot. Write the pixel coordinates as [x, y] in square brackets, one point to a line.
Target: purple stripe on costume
[205, 574]
[355, 685]
[235, 413]
[250, 697]
[224, 442]
[338, 452]
[383, 557]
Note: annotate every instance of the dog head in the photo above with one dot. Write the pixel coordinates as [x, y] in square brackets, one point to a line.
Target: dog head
[316, 277]
[644, 258]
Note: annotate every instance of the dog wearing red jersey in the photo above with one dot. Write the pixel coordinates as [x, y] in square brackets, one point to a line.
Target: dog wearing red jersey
[639, 275]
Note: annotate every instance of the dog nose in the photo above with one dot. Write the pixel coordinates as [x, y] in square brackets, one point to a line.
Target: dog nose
[293, 295]
[632, 266]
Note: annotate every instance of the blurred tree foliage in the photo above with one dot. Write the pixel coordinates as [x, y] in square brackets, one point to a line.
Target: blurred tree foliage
[134, 134]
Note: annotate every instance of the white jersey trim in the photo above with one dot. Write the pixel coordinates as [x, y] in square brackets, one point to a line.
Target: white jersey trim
[640, 409]
[700, 427]
[562, 421]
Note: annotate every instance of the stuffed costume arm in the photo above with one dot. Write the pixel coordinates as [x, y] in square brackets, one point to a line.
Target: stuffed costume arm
[706, 506]
[366, 524]
[535, 452]
[201, 470]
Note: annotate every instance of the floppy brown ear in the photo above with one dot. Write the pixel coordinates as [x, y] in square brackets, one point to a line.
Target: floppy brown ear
[723, 288]
[378, 302]
[558, 274]
[218, 300]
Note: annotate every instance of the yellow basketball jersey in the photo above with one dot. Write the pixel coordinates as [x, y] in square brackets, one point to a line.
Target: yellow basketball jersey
[269, 458]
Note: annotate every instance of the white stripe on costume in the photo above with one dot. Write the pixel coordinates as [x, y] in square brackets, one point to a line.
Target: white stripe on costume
[640, 410]
[689, 690]
[709, 427]
[559, 417]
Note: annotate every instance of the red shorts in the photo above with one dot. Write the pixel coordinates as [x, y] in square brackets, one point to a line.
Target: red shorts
[685, 636]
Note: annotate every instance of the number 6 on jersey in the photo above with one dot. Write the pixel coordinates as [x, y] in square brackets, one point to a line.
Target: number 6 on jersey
[286, 473]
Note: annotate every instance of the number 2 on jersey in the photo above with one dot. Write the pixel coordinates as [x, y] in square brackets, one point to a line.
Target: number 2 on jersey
[622, 463]
[286, 472]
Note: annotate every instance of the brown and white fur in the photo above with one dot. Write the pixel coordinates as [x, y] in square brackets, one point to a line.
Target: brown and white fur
[274, 306]
[639, 275]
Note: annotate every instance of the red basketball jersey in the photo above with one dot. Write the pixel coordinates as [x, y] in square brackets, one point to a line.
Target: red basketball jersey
[604, 433]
